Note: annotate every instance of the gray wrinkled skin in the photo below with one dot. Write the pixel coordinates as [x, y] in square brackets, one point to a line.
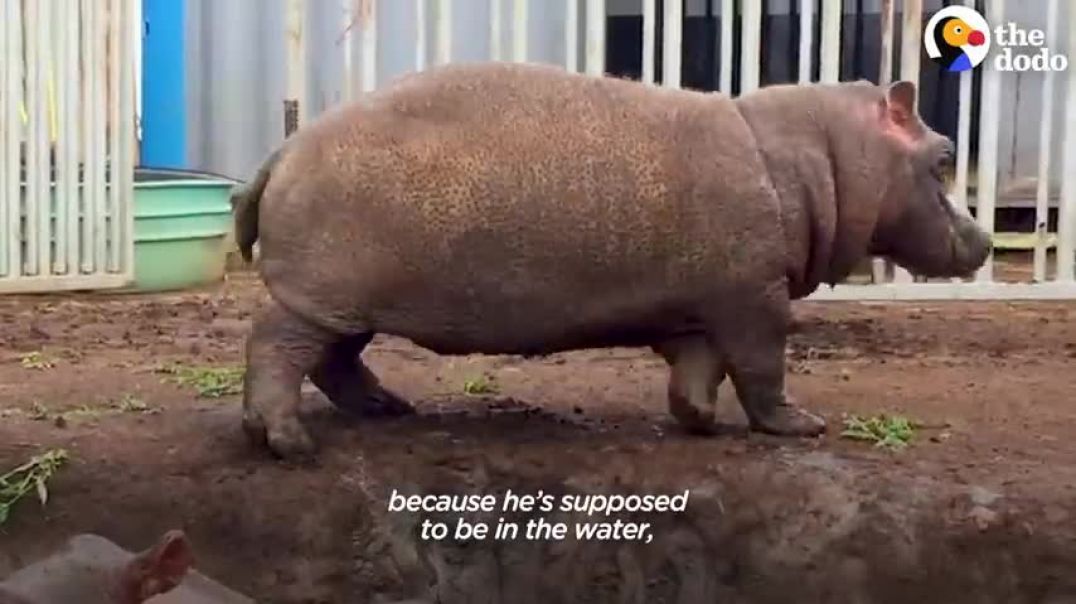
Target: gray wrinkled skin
[520, 209]
[93, 570]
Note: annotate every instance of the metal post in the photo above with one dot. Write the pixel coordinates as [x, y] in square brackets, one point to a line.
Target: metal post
[294, 107]
[368, 27]
[519, 31]
[571, 35]
[751, 46]
[830, 69]
[1046, 129]
[595, 60]
[807, 39]
[444, 31]
[164, 121]
[1066, 219]
[650, 25]
[990, 115]
[672, 44]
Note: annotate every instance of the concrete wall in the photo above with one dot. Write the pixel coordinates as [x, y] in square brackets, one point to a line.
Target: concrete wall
[236, 59]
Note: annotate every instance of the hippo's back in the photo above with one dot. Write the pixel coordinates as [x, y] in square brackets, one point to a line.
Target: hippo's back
[513, 206]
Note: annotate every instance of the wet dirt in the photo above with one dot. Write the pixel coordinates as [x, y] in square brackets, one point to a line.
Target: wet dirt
[978, 509]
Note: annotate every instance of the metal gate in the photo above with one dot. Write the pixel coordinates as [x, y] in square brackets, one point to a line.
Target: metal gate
[819, 34]
[67, 144]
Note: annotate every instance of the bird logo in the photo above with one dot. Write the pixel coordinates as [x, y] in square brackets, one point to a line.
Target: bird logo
[957, 38]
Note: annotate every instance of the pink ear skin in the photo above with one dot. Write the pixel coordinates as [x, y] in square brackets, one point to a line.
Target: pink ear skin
[898, 114]
[156, 570]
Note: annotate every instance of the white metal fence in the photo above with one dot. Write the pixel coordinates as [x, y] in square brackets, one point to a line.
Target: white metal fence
[586, 53]
[67, 144]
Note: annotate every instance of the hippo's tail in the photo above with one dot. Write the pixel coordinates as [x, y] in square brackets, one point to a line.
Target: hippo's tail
[245, 199]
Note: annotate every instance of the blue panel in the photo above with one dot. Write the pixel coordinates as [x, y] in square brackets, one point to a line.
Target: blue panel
[164, 93]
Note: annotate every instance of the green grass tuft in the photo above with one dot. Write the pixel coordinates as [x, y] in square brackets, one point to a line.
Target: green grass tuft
[479, 386]
[885, 431]
[209, 382]
[31, 477]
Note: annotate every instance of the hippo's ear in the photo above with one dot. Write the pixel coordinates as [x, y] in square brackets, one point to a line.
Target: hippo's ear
[158, 569]
[898, 112]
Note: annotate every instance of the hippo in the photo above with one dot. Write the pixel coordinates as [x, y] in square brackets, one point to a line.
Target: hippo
[494, 208]
[93, 570]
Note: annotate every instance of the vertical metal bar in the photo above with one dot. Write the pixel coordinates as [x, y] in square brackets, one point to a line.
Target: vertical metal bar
[1066, 219]
[911, 47]
[728, 23]
[127, 138]
[347, 86]
[421, 44]
[46, 109]
[751, 47]
[444, 31]
[806, 39]
[6, 126]
[136, 29]
[496, 30]
[294, 103]
[879, 266]
[963, 145]
[911, 42]
[1042, 196]
[59, 187]
[650, 24]
[35, 103]
[99, 125]
[11, 194]
[368, 27]
[672, 44]
[595, 60]
[963, 140]
[86, 197]
[990, 116]
[571, 35]
[519, 31]
[830, 68]
[67, 140]
[116, 36]
[888, 17]
[115, 68]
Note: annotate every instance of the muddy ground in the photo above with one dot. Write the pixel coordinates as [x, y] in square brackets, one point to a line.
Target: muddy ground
[978, 509]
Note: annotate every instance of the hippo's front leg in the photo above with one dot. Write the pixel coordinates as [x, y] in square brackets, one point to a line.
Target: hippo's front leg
[752, 337]
[283, 348]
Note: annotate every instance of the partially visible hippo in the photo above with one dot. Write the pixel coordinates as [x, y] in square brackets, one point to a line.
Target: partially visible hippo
[93, 570]
[522, 209]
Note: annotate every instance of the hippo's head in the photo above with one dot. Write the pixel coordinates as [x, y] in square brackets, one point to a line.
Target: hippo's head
[859, 173]
[93, 570]
[918, 227]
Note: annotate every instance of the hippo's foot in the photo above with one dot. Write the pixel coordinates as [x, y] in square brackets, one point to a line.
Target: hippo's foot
[694, 420]
[351, 386]
[787, 419]
[382, 402]
[287, 438]
[694, 376]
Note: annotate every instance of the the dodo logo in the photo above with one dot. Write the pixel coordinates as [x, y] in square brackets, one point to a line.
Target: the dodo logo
[957, 38]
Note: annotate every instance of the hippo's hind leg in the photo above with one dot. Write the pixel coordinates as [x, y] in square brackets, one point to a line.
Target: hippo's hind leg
[695, 372]
[350, 384]
[283, 348]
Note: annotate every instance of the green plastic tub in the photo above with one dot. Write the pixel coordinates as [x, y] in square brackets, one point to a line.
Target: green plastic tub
[182, 229]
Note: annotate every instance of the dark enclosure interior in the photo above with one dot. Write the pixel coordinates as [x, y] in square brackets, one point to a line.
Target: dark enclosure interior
[860, 55]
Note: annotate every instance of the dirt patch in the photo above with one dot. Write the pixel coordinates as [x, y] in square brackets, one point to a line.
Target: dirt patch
[978, 509]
